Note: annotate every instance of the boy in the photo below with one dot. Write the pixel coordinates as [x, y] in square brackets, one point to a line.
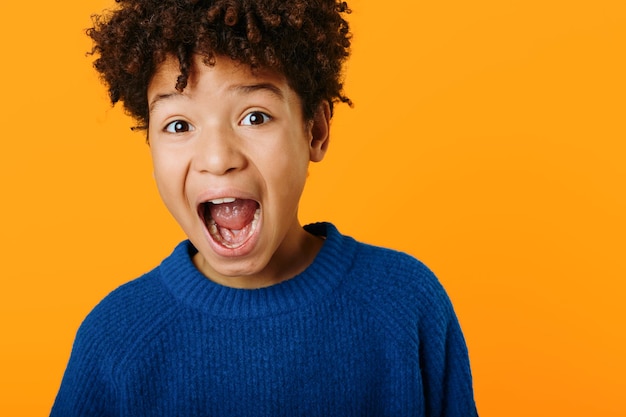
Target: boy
[254, 315]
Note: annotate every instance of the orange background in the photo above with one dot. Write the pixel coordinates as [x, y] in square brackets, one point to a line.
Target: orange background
[488, 139]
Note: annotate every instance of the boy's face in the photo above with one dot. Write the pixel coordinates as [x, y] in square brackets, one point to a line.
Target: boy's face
[230, 156]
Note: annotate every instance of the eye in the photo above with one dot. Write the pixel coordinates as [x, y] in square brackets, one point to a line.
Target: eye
[255, 118]
[179, 126]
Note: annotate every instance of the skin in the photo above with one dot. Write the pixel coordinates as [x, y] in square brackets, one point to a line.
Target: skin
[235, 133]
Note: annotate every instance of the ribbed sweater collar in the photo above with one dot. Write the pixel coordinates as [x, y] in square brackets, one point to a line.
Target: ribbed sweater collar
[189, 286]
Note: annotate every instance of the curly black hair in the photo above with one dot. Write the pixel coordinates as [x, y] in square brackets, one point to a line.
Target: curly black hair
[306, 40]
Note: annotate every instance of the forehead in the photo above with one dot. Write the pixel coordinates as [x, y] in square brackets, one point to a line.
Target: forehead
[224, 69]
[224, 79]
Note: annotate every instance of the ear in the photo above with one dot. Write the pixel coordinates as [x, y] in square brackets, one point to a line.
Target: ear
[320, 132]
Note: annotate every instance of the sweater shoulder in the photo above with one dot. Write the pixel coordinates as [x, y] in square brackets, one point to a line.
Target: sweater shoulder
[123, 318]
[127, 302]
[388, 271]
[401, 292]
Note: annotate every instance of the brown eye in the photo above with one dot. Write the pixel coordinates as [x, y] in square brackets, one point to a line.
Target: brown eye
[178, 126]
[255, 118]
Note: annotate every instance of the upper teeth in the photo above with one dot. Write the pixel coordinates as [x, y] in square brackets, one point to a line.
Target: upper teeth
[222, 200]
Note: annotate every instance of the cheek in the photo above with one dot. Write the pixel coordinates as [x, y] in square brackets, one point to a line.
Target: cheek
[288, 174]
[284, 163]
[169, 174]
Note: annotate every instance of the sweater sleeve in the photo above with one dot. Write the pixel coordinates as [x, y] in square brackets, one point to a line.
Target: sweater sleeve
[87, 388]
[444, 358]
[408, 299]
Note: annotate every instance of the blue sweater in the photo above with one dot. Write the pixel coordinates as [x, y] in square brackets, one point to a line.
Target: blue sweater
[364, 331]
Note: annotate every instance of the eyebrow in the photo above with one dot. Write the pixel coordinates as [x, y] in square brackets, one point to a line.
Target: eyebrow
[239, 89]
[251, 88]
[159, 98]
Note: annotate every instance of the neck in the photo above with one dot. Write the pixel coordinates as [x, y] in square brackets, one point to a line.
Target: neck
[294, 255]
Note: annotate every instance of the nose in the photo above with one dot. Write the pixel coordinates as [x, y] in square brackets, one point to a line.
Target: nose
[218, 151]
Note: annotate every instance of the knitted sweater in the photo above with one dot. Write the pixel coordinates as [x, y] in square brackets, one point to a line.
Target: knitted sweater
[363, 331]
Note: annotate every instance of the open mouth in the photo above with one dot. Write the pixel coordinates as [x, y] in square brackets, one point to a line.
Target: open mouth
[230, 221]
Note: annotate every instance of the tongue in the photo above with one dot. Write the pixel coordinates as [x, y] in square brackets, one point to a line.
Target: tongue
[235, 215]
